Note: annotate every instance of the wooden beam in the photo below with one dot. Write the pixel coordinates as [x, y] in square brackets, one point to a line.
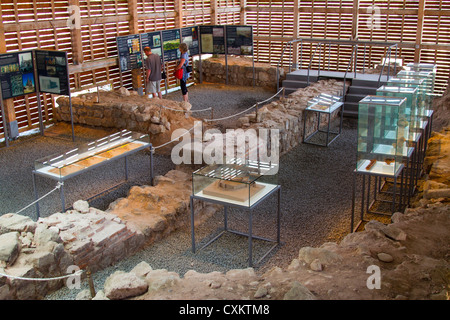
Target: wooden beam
[355, 19]
[8, 104]
[214, 12]
[178, 13]
[243, 5]
[419, 31]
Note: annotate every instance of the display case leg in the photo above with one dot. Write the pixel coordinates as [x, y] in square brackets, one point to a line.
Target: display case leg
[192, 224]
[61, 195]
[250, 239]
[225, 217]
[353, 203]
[126, 168]
[279, 217]
[36, 196]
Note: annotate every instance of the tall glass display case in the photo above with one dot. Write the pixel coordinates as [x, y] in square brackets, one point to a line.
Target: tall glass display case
[429, 67]
[428, 78]
[421, 93]
[382, 135]
[410, 114]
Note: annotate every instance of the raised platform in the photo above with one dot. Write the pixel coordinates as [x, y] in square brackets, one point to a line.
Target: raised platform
[361, 85]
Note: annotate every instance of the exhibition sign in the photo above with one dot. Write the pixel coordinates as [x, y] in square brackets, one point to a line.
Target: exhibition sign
[152, 40]
[189, 35]
[171, 41]
[52, 72]
[129, 52]
[212, 39]
[239, 40]
[17, 74]
[205, 39]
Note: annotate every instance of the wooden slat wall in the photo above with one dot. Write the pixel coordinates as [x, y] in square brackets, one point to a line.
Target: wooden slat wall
[31, 24]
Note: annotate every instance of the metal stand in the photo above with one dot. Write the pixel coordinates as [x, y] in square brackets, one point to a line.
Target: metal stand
[250, 235]
[306, 139]
[366, 204]
[62, 179]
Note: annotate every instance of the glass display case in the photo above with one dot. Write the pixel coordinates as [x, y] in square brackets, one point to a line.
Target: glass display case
[237, 182]
[327, 105]
[410, 114]
[382, 135]
[424, 67]
[428, 78]
[423, 108]
[92, 154]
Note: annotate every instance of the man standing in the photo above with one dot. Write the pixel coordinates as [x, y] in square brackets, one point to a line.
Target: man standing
[153, 73]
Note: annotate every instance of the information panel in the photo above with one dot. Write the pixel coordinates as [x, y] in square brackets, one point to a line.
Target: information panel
[129, 52]
[239, 40]
[171, 41]
[189, 35]
[17, 74]
[52, 72]
[152, 40]
[212, 39]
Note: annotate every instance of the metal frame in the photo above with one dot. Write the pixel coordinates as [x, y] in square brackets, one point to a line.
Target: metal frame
[250, 222]
[62, 179]
[333, 108]
[365, 206]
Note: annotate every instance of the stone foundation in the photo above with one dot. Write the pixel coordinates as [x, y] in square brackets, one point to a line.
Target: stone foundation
[127, 110]
[240, 72]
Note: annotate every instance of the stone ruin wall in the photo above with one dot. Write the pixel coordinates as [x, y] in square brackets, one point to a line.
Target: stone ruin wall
[240, 72]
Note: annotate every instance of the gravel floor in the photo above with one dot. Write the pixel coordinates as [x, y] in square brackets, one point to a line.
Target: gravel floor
[316, 190]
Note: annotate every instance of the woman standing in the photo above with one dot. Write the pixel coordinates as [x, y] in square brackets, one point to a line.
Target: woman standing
[184, 61]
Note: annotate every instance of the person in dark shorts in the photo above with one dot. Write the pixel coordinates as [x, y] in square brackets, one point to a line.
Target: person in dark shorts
[184, 61]
[153, 73]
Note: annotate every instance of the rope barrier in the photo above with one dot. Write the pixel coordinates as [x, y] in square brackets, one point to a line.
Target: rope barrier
[176, 139]
[41, 279]
[239, 113]
[58, 186]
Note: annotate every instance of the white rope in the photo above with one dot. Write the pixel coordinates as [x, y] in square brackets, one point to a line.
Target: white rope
[176, 139]
[232, 116]
[58, 185]
[42, 279]
[239, 113]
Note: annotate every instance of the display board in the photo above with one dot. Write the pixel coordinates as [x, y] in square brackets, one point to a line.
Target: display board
[171, 40]
[17, 74]
[52, 72]
[212, 39]
[152, 40]
[189, 35]
[129, 52]
[239, 40]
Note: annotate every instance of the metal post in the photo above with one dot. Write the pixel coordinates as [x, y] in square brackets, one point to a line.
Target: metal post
[126, 168]
[36, 196]
[91, 282]
[152, 150]
[61, 195]
[250, 239]
[192, 224]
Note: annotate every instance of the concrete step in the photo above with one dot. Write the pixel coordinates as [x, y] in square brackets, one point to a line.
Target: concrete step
[294, 84]
[362, 90]
[367, 83]
[300, 77]
[354, 97]
[351, 109]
